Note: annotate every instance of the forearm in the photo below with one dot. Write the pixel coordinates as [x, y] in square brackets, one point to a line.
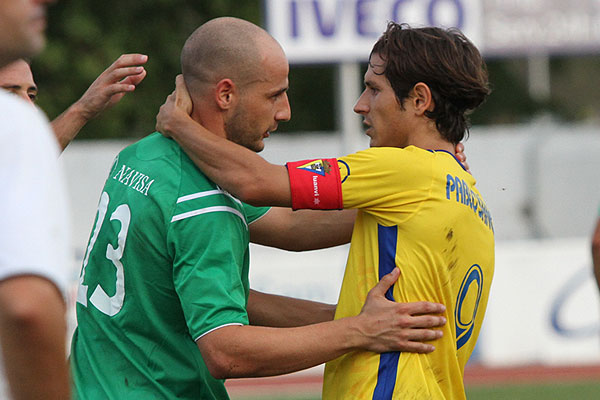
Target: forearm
[68, 124]
[284, 312]
[32, 334]
[381, 326]
[318, 229]
[303, 230]
[258, 351]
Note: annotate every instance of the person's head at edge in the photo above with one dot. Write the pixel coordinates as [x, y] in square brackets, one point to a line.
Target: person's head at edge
[17, 78]
[22, 23]
[421, 83]
[237, 76]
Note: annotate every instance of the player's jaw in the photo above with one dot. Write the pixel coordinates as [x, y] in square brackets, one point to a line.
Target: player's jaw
[246, 133]
[369, 131]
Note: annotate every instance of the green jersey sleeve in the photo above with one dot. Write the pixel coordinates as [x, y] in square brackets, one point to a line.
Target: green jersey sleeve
[254, 213]
[209, 238]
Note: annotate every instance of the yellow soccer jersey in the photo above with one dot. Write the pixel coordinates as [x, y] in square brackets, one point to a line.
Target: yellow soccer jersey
[418, 210]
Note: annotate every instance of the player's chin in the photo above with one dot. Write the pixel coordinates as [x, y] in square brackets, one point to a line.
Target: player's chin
[258, 146]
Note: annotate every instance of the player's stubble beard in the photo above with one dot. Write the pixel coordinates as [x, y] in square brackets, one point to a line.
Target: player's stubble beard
[239, 130]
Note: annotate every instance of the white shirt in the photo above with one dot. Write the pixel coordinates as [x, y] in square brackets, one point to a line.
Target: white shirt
[34, 227]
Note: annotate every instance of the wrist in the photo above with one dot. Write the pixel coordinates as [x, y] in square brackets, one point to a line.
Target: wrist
[80, 112]
[355, 339]
[178, 123]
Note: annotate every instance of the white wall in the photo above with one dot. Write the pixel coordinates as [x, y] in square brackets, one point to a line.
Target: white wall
[544, 305]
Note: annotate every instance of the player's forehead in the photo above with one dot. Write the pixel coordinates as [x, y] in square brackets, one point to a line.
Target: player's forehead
[375, 74]
[273, 60]
[273, 76]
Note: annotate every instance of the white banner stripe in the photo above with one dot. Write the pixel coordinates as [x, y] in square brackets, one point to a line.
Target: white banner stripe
[206, 210]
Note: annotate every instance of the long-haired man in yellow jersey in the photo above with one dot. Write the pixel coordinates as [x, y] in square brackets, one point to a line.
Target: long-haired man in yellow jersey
[419, 210]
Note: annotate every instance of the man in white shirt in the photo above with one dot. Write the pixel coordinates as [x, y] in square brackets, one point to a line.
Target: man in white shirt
[33, 235]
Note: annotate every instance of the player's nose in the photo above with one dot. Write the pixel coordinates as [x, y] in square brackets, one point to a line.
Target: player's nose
[284, 113]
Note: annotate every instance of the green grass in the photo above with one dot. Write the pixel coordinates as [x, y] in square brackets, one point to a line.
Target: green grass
[556, 391]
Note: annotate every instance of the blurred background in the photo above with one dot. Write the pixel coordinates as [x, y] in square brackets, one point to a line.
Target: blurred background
[532, 79]
[534, 148]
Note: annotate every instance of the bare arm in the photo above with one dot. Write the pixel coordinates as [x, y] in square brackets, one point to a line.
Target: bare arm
[238, 170]
[32, 334]
[382, 325]
[284, 312]
[596, 252]
[107, 90]
[303, 229]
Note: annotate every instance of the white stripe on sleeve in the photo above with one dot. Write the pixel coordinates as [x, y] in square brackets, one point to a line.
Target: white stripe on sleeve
[206, 210]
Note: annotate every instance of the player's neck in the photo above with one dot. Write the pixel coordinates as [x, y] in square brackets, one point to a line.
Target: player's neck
[431, 139]
[210, 120]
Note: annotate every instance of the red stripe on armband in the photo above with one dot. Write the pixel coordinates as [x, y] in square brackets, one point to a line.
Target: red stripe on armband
[315, 184]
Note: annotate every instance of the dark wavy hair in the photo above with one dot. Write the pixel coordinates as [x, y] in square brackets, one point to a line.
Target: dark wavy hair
[446, 61]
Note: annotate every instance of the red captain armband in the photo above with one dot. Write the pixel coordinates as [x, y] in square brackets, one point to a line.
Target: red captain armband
[315, 184]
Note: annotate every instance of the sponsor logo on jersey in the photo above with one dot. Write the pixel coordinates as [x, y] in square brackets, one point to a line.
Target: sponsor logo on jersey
[320, 167]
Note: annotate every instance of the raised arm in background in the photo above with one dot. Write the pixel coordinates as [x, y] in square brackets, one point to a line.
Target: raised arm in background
[120, 78]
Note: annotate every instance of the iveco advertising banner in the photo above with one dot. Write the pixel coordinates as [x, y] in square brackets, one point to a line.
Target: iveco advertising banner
[345, 30]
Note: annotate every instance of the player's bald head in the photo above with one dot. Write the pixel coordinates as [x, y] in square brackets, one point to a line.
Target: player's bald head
[222, 48]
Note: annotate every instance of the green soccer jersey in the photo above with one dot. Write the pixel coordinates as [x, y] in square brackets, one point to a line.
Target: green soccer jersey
[166, 263]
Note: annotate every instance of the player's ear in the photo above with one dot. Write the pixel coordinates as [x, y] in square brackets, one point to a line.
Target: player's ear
[422, 98]
[225, 93]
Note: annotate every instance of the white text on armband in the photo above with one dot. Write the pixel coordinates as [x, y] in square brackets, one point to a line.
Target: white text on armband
[134, 179]
[460, 191]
